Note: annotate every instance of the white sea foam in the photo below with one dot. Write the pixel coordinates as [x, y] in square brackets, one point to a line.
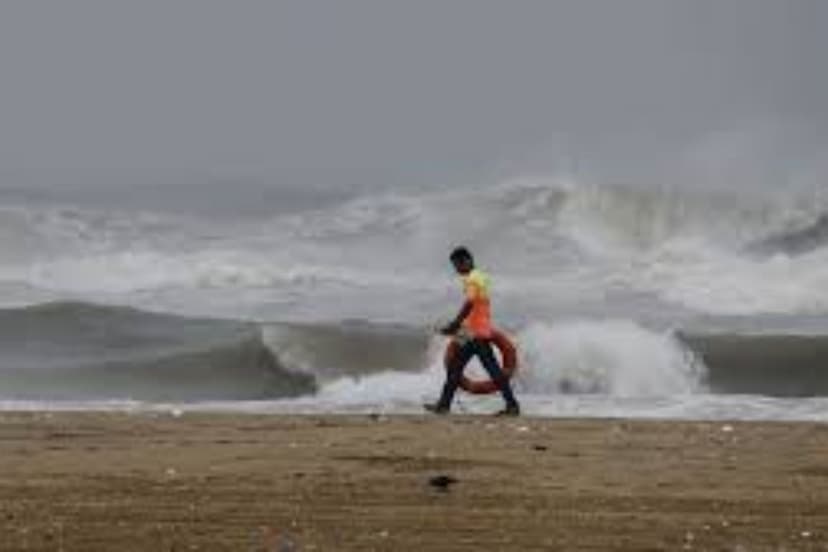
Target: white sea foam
[613, 357]
[547, 243]
[389, 387]
[685, 407]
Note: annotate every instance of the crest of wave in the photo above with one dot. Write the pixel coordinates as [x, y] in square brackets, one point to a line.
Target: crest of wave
[614, 357]
[634, 218]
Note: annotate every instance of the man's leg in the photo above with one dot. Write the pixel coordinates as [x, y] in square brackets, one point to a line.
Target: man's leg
[484, 351]
[454, 373]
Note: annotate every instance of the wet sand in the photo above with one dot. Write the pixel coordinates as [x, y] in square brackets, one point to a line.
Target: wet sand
[107, 481]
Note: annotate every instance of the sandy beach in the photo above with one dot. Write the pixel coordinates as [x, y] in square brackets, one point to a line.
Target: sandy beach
[116, 481]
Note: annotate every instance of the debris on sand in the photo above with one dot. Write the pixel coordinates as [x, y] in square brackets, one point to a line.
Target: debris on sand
[442, 482]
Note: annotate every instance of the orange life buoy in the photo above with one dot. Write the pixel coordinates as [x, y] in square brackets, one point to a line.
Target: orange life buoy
[508, 354]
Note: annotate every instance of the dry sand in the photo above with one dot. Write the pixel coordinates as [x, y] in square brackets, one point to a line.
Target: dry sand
[108, 481]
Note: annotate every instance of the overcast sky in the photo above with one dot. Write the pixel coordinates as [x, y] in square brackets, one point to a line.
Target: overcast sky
[425, 86]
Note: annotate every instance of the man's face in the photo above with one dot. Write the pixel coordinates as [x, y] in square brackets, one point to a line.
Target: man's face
[462, 266]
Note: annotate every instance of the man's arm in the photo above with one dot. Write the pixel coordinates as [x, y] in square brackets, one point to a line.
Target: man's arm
[451, 328]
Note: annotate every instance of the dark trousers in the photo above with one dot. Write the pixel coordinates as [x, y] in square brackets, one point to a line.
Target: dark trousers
[481, 348]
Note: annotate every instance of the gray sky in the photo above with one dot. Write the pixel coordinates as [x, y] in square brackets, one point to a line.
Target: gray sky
[425, 87]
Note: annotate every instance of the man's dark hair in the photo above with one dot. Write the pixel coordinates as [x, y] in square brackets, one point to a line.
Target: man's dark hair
[461, 253]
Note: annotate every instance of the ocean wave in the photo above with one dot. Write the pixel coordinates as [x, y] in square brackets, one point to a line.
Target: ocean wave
[79, 351]
[544, 240]
[780, 365]
[610, 358]
[373, 364]
[796, 241]
[85, 351]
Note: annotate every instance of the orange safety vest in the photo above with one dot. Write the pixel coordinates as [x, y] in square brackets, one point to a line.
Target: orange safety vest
[476, 289]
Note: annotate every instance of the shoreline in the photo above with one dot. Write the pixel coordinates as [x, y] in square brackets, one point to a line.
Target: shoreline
[213, 481]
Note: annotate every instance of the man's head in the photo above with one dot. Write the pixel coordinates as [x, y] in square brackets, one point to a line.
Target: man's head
[462, 260]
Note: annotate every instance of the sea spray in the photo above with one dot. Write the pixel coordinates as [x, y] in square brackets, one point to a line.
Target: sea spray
[547, 243]
[616, 358]
[612, 357]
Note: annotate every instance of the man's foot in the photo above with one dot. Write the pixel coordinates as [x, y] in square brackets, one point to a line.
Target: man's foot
[510, 410]
[436, 408]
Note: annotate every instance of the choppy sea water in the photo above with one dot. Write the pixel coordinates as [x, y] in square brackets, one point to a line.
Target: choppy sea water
[623, 302]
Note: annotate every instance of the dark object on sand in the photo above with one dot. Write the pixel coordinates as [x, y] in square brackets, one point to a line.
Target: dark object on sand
[442, 482]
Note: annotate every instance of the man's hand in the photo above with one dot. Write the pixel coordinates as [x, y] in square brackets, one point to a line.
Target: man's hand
[450, 329]
[454, 326]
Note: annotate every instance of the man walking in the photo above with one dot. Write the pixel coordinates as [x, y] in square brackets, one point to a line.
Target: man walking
[472, 328]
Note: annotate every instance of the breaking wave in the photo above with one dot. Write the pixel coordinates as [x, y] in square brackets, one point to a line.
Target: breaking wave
[701, 250]
[610, 358]
[547, 241]
[72, 351]
[77, 351]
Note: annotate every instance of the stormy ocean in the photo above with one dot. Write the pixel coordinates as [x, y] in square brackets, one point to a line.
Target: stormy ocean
[623, 300]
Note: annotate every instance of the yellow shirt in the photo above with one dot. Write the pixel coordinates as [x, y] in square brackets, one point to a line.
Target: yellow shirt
[476, 288]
